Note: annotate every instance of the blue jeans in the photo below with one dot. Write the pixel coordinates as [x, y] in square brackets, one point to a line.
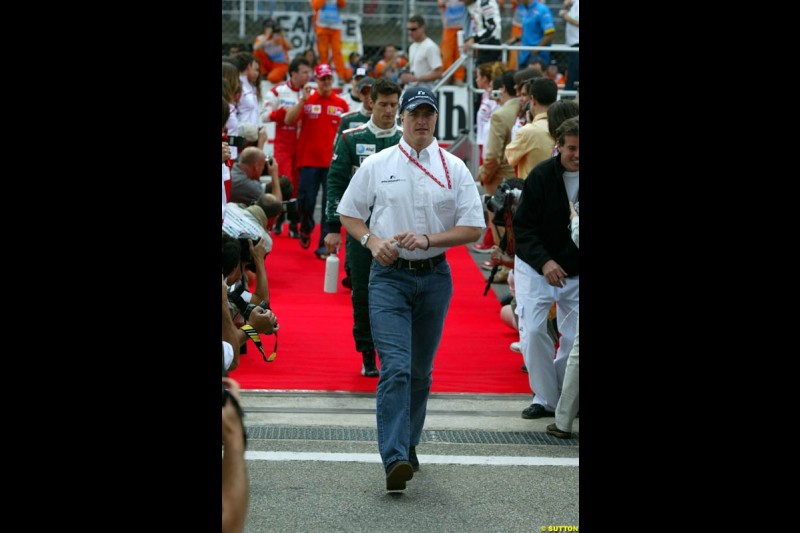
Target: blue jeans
[307, 190]
[407, 309]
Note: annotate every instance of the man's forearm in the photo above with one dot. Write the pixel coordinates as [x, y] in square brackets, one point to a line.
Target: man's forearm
[276, 188]
[230, 334]
[435, 74]
[354, 226]
[454, 236]
[294, 112]
[234, 485]
[262, 287]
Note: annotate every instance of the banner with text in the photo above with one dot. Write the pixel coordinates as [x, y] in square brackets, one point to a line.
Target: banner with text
[298, 28]
[452, 112]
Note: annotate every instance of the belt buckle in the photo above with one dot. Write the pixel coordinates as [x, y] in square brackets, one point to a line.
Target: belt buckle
[411, 264]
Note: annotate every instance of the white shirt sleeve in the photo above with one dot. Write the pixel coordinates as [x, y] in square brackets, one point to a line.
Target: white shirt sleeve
[360, 193]
[228, 354]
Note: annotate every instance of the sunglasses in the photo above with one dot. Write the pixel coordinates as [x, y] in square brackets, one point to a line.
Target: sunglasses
[413, 29]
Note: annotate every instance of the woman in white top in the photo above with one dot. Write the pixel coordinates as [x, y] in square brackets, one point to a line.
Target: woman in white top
[483, 80]
[230, 74]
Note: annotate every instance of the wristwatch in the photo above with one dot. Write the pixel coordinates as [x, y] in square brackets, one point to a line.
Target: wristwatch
[364, 239]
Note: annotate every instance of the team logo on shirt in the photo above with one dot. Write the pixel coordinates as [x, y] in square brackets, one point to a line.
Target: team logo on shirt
[392, 179]
[334, 110]
[316, 109]
[365, 149]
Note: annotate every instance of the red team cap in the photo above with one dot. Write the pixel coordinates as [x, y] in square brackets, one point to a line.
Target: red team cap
[322, 70]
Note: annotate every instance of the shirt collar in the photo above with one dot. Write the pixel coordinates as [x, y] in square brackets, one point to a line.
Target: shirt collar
[379, 132]
[431, 150]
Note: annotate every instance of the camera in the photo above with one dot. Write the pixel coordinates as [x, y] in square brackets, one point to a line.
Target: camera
[246, 314]
[504, 197]
[237, 141]
[245, 256]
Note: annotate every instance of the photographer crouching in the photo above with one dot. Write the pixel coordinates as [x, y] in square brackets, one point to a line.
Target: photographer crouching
[245, 309]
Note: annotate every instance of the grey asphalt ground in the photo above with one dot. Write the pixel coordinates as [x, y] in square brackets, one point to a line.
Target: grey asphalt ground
[296, 493]
[310, 495]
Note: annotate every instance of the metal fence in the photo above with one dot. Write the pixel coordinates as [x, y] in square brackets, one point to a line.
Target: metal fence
[382, 21]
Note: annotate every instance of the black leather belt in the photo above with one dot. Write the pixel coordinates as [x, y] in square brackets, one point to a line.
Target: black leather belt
[422, 264]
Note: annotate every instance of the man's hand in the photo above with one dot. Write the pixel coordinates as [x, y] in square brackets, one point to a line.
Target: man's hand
[263, 321]
[496, 256]
[383, 251]
[259, 251]
[273, 168]
[226, 152]
[305, 93]
[411, 241]
[554, 274]
[572, 212]
[332, 242]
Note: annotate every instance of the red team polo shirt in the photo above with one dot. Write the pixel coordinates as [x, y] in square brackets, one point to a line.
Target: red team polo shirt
[321, 116]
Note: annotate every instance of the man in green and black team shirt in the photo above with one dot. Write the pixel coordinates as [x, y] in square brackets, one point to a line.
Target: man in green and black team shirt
[360, 116]
[353, 146]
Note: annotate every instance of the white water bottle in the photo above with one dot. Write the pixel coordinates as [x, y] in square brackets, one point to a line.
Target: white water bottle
[331, 273]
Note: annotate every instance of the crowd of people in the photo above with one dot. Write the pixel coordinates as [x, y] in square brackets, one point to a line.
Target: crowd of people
[342, 140]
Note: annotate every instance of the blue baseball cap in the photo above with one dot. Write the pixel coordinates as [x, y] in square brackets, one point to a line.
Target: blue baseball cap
[414, 97]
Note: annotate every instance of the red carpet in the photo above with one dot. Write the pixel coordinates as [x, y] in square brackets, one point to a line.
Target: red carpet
[316, 349]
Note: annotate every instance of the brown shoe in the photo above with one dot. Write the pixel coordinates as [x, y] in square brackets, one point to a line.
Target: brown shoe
[553, 430]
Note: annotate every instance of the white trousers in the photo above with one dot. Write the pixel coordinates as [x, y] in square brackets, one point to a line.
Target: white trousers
[568, 403]
[534, 298]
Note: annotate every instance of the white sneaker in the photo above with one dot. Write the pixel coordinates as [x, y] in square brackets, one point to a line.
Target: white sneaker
[514, 346]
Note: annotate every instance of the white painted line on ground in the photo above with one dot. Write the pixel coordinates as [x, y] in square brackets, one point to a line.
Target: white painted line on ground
[501, 460]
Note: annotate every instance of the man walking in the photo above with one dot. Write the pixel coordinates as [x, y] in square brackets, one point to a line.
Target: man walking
[279, 100]
[320, 113]
[353, 147]
[546, 268]
[420, 200]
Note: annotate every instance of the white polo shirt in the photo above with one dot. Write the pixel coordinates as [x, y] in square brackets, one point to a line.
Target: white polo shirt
[403, 198]
[423, 58]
